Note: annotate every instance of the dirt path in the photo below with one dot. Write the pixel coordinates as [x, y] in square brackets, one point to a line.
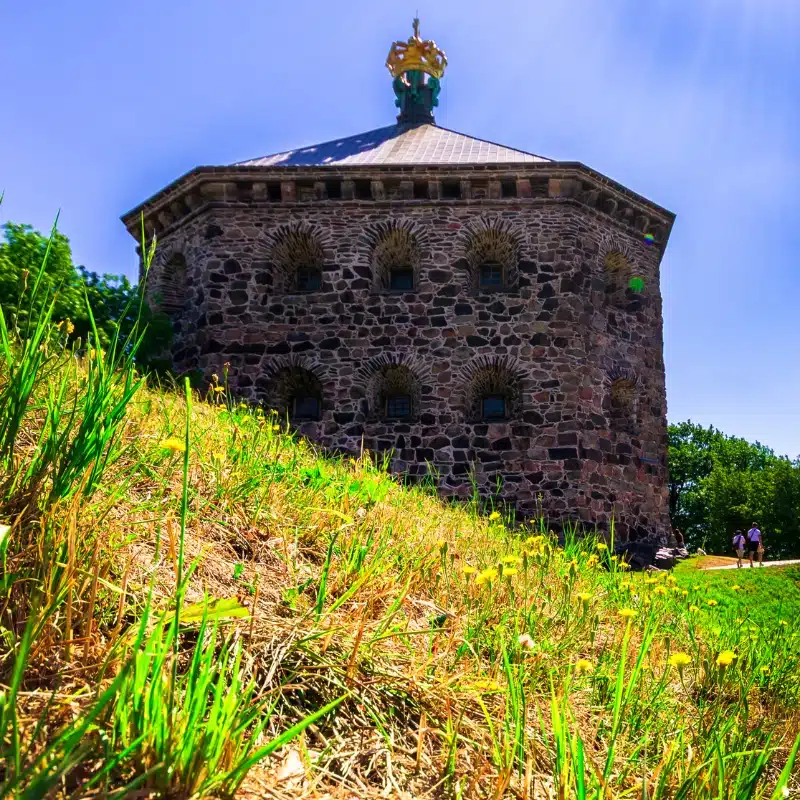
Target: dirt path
[746, 564]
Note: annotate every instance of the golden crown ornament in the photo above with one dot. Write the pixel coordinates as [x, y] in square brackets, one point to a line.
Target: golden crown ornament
[416, 55]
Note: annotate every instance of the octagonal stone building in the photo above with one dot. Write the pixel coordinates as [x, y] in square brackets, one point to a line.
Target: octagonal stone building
[483, 315]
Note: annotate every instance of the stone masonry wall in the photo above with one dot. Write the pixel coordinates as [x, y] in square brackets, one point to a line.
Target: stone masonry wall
[559, 341]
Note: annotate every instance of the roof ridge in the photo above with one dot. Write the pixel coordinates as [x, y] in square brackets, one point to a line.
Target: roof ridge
[417, 143]
[489, 141]
[318, 144]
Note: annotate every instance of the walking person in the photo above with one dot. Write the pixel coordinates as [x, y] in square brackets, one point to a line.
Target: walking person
[755, 543]
[738, 546]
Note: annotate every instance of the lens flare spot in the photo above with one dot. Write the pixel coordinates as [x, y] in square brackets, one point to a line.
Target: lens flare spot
[636, 284]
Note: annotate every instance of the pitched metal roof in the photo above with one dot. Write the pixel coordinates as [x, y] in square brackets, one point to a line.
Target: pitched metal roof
[398, 145]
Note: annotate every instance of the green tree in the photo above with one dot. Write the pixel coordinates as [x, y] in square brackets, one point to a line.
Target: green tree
[112, 298]
[719, 484]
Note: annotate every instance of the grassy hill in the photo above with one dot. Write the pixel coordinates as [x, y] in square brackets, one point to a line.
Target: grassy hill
[196, 603]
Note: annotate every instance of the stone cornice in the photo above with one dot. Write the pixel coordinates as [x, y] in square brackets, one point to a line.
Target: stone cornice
[304, 187]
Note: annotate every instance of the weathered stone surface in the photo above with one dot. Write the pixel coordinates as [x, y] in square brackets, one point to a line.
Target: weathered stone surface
[578, 363]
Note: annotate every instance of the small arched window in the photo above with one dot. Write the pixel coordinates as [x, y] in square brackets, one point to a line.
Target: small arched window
[493, 391]
[394, 393]
[490, 276]
[305, 407]
[309, 278]
[295, 392]
[493, 407]
[395, 257]
[617, 273]
[398, 406]
[623, 405]
[401, 279]
[170, 290]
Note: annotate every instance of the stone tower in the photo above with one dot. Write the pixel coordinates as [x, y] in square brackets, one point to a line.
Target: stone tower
[484, 315]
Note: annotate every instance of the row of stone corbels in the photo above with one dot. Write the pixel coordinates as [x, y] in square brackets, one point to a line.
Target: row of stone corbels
[621, 209]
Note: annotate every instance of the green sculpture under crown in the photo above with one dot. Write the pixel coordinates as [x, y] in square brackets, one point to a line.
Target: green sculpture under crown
[417, 67]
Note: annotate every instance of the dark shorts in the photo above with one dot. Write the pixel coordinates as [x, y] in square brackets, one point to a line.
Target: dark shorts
[753, 546]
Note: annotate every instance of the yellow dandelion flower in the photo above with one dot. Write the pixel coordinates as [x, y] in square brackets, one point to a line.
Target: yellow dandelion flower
[784, 623]
[726, 658]
[495, 515]
[660, 590]
[735, 587]
[512, 560]
[626, 613]
[173, 445]
[592, 561]
[509, 571]
[614, 558]
[468, 569]
[602, 546]
[650, 581]
[583, 665]
[697, 587]
[765, 670]
[693, 609]
[684, 593]
[623, 565]
[584, 597]
[671, 579]
[219, 389]
[70, 328]
[712, 603]
[486, 685]
[526, 641]
[486, 576]
[679, 660]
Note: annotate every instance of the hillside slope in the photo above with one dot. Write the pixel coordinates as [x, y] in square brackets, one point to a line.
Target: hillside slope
[336, 633]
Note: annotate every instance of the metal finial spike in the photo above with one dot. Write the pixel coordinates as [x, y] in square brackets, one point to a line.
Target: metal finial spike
[416, 26]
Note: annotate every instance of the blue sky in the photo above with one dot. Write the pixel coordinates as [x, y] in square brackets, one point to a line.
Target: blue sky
[693, 103]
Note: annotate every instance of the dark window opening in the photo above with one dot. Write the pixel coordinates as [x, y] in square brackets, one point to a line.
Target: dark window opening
[333, 189]
[491, 276]
[309, 279]
[508, 188]
[398, 406]
[401, 279]
[493, 406]
[451, 190]
[274, 192]
[420, 190]
[305, 407]
[363, 189]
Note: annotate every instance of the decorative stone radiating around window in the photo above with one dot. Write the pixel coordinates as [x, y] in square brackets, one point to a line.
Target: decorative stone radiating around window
[295, 392]
[489, 249]
[297, 258]
[493, 389]
[391, 383]
[394, 249]
[623, 405]
[617, 272]
[171, 285]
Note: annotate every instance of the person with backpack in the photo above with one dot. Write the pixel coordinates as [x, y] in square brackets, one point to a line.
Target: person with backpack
[738, 546]
[755, 544]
